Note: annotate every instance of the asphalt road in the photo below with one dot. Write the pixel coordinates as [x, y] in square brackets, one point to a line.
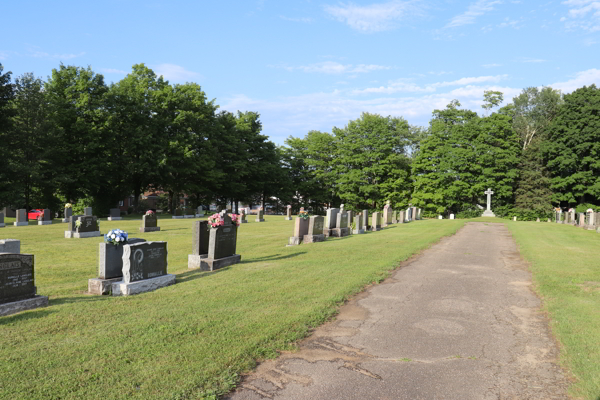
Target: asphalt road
[459, 321]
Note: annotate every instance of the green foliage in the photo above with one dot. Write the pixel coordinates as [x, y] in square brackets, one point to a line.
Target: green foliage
[572, 151]
[462, 157]
[582, 208]
[471, 213]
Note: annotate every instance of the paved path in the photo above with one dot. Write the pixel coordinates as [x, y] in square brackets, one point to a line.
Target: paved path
[458, 322]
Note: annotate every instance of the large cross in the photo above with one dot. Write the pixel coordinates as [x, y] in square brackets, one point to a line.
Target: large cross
[489, 198]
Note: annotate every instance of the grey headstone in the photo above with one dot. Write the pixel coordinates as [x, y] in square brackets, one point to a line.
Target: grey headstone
[87, 211]
[16, 277]
[401, 217]
[114, 213]
[10, 246]
[331, 218]
[149, 221]
[1, 219]
[110, 259]
[342, 220]
[68, 212]
[88, 224]
[315, 225]
[365, 218]
[21, 215]
[223, 239]
[47, 215]
[300, 227]
[200, 238]
[144, 261]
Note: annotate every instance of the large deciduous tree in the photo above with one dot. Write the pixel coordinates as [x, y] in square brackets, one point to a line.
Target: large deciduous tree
[6, 112]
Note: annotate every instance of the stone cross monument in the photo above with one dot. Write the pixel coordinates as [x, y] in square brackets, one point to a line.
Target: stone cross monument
[488, 212]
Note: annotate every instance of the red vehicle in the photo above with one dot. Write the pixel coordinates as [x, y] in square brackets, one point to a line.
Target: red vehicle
[33, 214]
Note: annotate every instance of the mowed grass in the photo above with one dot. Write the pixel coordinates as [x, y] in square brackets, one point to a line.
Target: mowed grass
[193, 339]
[565, 262]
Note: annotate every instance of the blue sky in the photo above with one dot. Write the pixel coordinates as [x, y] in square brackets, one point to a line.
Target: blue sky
[312, 65]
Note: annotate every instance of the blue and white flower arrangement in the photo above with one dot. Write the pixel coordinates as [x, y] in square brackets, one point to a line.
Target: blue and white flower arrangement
[116, 237]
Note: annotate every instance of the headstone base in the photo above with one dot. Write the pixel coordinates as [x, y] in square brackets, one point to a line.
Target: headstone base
[259, 220]
[488, 213]
[189, 216]
[121, 288]
[22, 305]
[210, 264]
[288, 218]
[177, 216]
[77, 235]
[44, 222]
[101, 286]
[313, 238]
[294, 241]
[243, 221]
[375, 228]
[115, 218]
[199, 215]
[358, 231]
[340, 232]
[2, 225]
[20, 223]
[194, 261]
[154, 229]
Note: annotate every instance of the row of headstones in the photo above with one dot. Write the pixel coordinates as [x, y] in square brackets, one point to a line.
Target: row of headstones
[451, 216]
[21, 216]
[189, 213]
[588, 220]
[338, 223]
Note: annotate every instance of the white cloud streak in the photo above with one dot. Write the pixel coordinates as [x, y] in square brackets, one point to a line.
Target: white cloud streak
[113, 71]
[583, 78]
[304, 20]
[402, 86]
[42, 54]
[474, 10]
[375, 17]
[582, 14]
[175, 73]
[332, 67]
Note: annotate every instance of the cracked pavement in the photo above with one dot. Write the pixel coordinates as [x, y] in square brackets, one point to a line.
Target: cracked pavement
[459, 321]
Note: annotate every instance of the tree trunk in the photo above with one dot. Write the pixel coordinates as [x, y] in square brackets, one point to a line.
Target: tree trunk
[170, 207]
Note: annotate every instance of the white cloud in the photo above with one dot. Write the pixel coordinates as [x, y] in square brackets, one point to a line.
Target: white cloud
[583, 78]
[332, 67]
[175, 73]
[583, 14]
[113, 71]
[474, 10]
[375, 17]
[41, 54]
[303, 20]
[403, 86]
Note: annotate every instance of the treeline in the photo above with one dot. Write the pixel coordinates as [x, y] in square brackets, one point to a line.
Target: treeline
[73, 138]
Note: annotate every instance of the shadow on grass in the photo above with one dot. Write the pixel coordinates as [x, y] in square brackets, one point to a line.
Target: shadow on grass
[272, 258]
[24, 316]
[77, 299]
[198, 273]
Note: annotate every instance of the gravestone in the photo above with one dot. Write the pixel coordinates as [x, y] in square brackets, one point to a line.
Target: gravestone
[68, 213]
[200, 211]
[572, 216]
[243, 216]
[9, 212]
[222, 244]
[2, 225]
[110, 267]
[149, 223]
[144, 269]
[46, 217]
[376, 222]
[358, 225]
[488, 211]
[330, 221]
[387, 215]
[581, 220]
[401, 216]
[260, 215]
[365, 219]
[413, 214]
[10, 246]
[200, 236]
[315, 234]
[288, 215]
[395, 217]
[590, 217]
[21, 218]
[440, 217]
[408, 214]
[300, 229]
[17, 286]
[341, 227]
[87, 211]
[189, 213]
[451, 216]
[418, 213]
[87, 228]
[115, 214]
[350, 219]
[514, 218]
[537, 220]
[178, 213]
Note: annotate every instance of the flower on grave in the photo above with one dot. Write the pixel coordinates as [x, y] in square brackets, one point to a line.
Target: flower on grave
[116, 237]
[303, 214]
[77, 224]
[41, 216]
[235, 218]
[215, 220]
[150, 212]
[68, 205]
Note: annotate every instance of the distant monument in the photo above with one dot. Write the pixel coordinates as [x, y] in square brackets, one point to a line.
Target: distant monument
[488, 211]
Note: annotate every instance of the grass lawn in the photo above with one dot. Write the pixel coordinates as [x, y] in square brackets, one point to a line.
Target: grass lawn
[566, 270]
[193, 339]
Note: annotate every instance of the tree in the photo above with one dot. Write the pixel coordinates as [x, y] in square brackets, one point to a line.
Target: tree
[491, 99]
[6, 112]
[371, 163]
[572, 149]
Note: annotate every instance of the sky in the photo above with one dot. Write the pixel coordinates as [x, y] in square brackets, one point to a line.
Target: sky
[313, 65]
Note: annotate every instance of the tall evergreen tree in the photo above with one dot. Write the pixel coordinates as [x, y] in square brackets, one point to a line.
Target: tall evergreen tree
[6, 112]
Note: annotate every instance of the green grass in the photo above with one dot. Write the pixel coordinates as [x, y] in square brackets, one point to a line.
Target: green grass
[193, 339]
[566, 270]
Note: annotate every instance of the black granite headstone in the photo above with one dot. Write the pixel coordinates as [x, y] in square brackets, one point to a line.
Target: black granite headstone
[144, 261]
[222, 242]
[114, 213]
[16, 277]
[88, 224]
[200, 238]
[47, 215]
